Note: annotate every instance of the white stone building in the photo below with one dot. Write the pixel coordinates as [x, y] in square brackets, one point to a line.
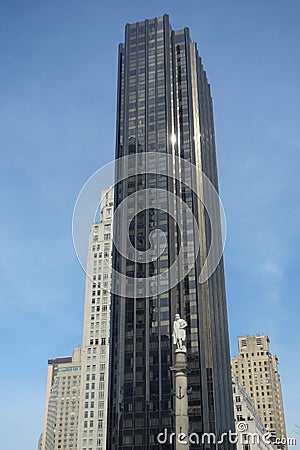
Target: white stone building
[95, 343]
[251, 433]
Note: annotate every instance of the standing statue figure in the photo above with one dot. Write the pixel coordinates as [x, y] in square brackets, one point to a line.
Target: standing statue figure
[179, 334]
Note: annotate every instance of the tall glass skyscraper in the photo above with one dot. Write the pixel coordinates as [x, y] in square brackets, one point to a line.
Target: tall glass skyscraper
[165, 108]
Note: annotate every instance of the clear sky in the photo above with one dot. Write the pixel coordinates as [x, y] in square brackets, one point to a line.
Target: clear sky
[57, 126]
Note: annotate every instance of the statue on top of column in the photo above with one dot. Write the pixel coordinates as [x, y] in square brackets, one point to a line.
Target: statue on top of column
[179, 334]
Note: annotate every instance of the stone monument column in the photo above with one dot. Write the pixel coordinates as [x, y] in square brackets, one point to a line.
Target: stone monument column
[180, 374]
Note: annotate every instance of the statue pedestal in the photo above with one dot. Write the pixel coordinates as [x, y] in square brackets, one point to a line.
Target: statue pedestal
[181, 400]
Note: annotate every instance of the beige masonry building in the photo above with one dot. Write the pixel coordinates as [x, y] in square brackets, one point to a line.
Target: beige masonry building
[257, 371]
[62, 403]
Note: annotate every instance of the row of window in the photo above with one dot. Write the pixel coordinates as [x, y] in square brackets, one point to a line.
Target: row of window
[91, 423]
[106, 237]
[92, 414]
[253, 362]
[97, 247]
[246, 355]
[250, 371]
[92, 368]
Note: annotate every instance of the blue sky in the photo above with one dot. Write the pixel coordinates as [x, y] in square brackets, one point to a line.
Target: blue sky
[57, 126]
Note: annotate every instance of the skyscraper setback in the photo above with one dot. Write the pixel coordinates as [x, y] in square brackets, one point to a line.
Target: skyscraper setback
[165, 110]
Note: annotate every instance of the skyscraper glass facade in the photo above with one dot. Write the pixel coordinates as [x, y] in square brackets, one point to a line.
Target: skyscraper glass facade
[165, 108]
